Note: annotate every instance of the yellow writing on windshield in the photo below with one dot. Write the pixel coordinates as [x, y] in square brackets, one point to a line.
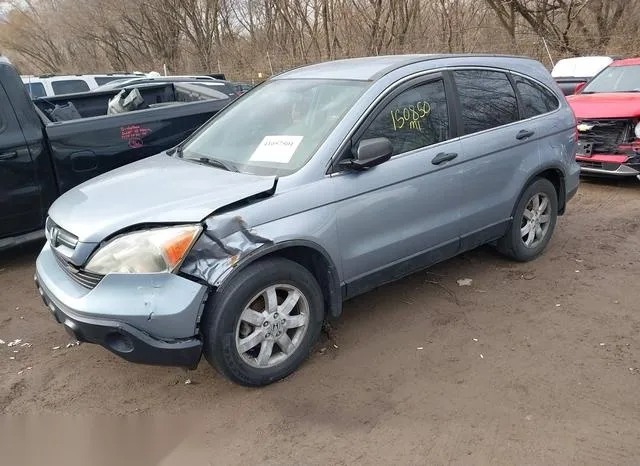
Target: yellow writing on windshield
[411, 115]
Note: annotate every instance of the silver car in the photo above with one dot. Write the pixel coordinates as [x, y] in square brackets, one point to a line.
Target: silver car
[318, 185]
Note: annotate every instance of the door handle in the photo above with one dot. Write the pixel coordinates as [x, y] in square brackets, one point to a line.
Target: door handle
[8, 155]
[524, 134]
[443, 157]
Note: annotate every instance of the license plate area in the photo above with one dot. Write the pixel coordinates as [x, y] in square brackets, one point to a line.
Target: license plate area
[585, 149]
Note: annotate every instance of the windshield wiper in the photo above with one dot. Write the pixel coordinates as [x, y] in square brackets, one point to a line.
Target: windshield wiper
[217, 163]
[178, 152]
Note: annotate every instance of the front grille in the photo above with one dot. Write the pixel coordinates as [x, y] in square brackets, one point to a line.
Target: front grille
[82, 277]
[605, 135]
[59, 236]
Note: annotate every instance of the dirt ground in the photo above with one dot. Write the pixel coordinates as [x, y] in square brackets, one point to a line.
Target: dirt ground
[533, 363]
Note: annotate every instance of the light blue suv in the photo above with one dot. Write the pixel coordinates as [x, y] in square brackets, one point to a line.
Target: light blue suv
[319, 185]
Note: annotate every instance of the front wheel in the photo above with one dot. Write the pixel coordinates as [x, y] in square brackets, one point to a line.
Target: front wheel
[533, 222]
[263, 325]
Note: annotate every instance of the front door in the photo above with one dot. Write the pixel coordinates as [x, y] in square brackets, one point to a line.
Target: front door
[403, 214]
[20, 206]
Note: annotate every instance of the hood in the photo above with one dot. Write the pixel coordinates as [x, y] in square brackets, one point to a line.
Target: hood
[606, 105]
[159, 189]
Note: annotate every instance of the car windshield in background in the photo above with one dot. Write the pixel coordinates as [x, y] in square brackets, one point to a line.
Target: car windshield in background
[116, 83]
[201, 89]
[219, 85]
[101, 80]
[615, 79]
[277, 128]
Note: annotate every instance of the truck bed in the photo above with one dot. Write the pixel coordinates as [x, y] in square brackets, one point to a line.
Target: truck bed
[84, 148]
[94, 104]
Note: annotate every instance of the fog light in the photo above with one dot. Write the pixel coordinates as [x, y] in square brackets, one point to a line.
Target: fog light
[118, 342]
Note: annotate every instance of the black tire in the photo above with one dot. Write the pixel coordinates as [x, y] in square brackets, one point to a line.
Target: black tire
[512, 244]
[223, 310]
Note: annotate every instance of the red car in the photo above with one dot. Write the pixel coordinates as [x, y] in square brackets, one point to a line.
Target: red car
[607, 110]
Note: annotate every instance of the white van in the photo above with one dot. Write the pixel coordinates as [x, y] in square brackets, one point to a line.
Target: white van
[580, 67]
[50, 85]
[572, 73]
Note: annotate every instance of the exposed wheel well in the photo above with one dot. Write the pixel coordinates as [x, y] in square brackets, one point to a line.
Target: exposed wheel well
[556, 178]
[315, 262]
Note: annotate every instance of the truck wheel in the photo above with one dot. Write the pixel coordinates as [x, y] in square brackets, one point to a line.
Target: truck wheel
[261, 326]
[533, 222]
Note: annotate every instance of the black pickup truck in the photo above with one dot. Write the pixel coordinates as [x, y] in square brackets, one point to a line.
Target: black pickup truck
[41, 158]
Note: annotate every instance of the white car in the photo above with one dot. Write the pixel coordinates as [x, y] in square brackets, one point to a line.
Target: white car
[50, 85]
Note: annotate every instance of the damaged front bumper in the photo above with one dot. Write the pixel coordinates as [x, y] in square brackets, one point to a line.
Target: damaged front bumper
[143, 318]
[609, 165]
[608, 147]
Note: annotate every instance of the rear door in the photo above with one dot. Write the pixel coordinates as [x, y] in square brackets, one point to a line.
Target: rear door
[403, 214]
[499, 150]
[20, 202]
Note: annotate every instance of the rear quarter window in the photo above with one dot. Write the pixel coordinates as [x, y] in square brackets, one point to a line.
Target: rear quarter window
[35, 90]
[69, 86]
[534, 98]
[487, 98]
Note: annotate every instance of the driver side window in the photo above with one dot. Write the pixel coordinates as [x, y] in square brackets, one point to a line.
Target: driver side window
[416, 118]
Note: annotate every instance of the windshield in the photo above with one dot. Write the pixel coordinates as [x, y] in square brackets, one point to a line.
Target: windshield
[615, 79]
[276, 128]
[114, 83]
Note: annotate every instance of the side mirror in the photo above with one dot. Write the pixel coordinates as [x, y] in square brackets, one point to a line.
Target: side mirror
[579, 87]
[369, 153]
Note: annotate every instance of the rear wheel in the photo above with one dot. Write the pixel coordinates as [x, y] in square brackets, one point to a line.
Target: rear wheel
[262, 326]
[533, 222]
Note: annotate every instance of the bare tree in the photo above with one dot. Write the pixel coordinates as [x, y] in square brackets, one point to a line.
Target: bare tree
[246, 37]
[555, 20]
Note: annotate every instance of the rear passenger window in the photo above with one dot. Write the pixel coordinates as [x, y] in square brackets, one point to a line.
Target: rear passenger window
[418, 117]
[70, 86]
[534, 99]
[487, 98]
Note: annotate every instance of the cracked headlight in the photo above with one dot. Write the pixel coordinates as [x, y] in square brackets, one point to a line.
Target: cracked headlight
[147, 251]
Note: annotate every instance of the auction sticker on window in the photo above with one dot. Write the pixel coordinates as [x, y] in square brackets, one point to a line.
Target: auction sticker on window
[277, 149]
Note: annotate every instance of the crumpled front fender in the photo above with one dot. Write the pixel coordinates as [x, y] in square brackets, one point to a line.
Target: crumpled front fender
[225, 241]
